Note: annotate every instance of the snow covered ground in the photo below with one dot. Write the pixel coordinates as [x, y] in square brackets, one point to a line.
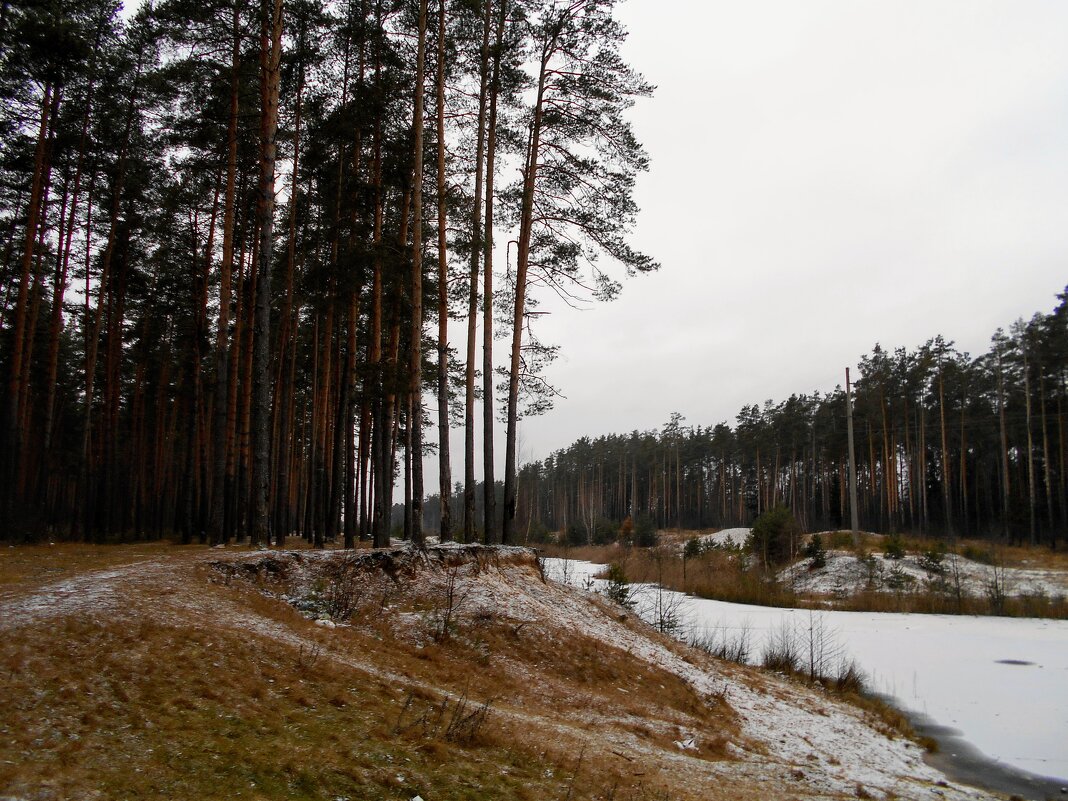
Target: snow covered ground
[845, 574]
[1002, 682]
[728, 536]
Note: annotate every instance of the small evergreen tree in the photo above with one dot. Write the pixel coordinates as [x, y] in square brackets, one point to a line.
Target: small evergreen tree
[618, 585]
[895, 548]
[814, 551]
[645, 535]
[774, 536]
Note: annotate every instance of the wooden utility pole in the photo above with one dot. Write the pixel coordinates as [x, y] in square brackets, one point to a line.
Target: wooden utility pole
[854, 523]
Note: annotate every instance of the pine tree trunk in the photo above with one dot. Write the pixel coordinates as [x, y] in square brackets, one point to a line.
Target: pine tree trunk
[1031, 498]
[946, 487]
[1045, 457]
[472, 302]
[217, 516]
[526, 226]
[271, 50]
[415, 387]
[444, 459]
[13, 436]
[489, 484]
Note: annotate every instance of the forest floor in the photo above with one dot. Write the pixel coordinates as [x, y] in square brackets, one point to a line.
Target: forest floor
[185, 672]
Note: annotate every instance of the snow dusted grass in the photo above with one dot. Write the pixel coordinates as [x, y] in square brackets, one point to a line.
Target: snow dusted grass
[165, 686]
[963, 586]
[172, 677]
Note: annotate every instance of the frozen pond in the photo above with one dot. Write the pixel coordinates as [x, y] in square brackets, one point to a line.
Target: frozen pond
[1001, 682]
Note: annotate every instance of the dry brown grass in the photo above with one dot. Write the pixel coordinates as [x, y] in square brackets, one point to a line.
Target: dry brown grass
[26, 567]
[221, 716]
[218, 691]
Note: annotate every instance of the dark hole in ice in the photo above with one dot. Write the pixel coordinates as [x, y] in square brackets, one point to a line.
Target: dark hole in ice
[1013, 662]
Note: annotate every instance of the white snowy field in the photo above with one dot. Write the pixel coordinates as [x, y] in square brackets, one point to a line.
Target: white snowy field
[1001, 682]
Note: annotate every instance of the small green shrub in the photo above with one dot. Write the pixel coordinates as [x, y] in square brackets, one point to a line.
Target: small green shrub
[576, 535]
[872, 568]
[895, 548]
[605, 531]
[933, 561]
[978, 553]
[898, 579]
[814, 551]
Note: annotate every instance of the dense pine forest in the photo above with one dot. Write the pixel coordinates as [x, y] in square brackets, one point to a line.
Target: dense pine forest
[946, 445]
[234, 235]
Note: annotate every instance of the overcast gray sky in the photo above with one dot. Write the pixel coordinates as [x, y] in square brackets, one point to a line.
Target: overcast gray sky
[825, 175]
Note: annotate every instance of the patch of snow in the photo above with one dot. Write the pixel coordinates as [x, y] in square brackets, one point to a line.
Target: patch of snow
[845, 574]
[730, 537]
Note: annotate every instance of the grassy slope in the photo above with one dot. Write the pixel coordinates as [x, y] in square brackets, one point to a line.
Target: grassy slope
[163, 701]
[166, 678]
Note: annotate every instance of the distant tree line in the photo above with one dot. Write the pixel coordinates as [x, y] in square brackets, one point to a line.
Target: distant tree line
[233, 233]
[947, 445]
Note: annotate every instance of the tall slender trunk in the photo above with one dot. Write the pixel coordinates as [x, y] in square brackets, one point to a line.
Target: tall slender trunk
[489, 485]
[1062, 496]
[217, 516]
[964, 507]
[923, 468]
[444, 457]
[415, 387]
[1045, 456]
[287, 339]
[526, 227]
[472, 300]
[946, 488]
[1031, 498]
[379, 413]
[271, 55]
[13, 436]
[89, 490]
[63, 272]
